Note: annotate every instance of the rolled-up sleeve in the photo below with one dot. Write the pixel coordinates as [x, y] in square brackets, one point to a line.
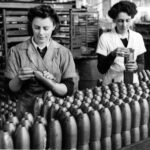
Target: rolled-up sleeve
[102, 45]
[68, 66]
[12, 64]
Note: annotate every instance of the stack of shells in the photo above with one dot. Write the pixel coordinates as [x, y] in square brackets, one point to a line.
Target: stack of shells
[101, 118]
[7, 106]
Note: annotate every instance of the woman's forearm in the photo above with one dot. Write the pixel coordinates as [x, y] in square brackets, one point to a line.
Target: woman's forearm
[104, 62]
[58, 88]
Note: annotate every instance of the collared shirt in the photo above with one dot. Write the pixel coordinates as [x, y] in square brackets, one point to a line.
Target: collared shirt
[108, 42]
[58, 61]
[42, 50]
[36, 45]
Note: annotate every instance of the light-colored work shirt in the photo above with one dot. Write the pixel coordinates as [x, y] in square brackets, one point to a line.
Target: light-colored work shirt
[108, 42]
[58, 61]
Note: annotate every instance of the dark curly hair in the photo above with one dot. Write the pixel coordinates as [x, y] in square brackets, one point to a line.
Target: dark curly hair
[42, 11]
[122, 6]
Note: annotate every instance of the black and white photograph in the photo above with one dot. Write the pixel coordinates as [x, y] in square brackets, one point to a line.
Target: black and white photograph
[75, 74]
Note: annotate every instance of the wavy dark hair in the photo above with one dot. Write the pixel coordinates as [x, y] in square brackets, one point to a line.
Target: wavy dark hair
[43, 11]
[123, 6]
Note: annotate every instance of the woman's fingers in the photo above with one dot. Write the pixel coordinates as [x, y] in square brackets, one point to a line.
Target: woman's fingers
[131, 66]
[121, 51]
[38, 73]
[48, 75]
[25, 73]
[26, 76]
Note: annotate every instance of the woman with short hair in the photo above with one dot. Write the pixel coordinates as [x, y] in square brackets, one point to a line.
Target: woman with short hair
[114, 46]
[39, 64]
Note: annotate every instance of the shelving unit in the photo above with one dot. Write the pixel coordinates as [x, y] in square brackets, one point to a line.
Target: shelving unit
[79, 31]
[63, 36]
[2, 59]
[84, 32]
[75, 24]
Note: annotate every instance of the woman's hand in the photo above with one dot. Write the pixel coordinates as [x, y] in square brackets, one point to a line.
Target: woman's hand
[131, 66]
[120, 51]
[48, 75]
[38, 75]
[25, 73]
[48, 80]
[43, 75]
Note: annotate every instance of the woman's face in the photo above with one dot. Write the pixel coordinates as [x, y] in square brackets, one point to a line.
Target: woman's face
[123, 22]
[42, 29]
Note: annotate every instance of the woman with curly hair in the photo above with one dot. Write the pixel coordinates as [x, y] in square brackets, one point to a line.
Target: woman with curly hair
[39, 64]
[114, 46]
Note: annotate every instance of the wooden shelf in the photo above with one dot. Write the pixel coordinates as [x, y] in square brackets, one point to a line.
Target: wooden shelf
[142, 23]
[18, 5]
[27, 5]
